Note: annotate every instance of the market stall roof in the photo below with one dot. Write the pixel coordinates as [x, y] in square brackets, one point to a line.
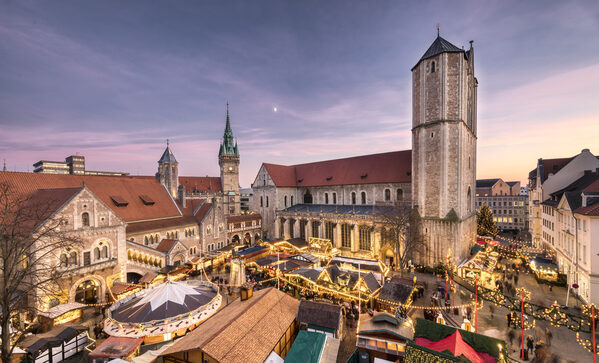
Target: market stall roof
[545, 264]
[308, 273]
[395, 292]
[248, 252]
[428, 332]
[307, 347]
[385, 322]
[116, 347]
[456, 345]
[34, 344]
[58, 310]
[163, 301]
[319, 313]
[148, 277]
[122, 287]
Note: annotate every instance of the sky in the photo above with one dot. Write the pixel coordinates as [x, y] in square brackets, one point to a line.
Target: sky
[306, 80]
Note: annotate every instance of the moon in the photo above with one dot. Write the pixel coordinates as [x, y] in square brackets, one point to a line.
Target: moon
[274, 109]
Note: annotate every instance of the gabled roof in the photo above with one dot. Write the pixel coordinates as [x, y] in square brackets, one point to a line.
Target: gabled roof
[486, 183]
[395, 292]
[44, 203]
[365, 169]
[371, 281]
[512, 183]
[243, 330]
[166, 245]
[129, 188]
[550, 166]
[439, 46]
[592, 208]
[201, 184]
[319, 313]
[579, 185]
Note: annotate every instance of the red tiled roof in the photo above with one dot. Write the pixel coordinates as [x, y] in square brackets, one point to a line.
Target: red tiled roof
[104, 187]
[43, 203]
[244, 217]
[390, 167]
[160, 224]
[593, 187]
[201, 184]
[166, 245]
[202, 211]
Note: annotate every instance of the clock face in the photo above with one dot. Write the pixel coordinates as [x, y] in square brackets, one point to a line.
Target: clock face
[230, 168]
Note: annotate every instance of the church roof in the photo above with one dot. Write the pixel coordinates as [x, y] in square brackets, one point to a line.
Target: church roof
[364, 169]
[167, 156]
[439, 46]
[486, 183]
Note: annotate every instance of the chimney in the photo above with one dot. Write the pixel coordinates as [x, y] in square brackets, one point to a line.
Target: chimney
[584, 199]
[588, 172]
[181, 195]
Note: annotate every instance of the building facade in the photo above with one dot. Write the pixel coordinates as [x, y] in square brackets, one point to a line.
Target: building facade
[74, 164]
[548, 177]
[509, 206]
[343, 200]
[132, 225]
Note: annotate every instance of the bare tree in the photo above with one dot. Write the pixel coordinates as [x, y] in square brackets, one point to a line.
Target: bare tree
[402, 232]
[32, 237]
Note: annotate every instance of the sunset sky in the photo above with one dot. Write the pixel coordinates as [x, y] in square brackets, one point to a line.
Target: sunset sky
[113, 80]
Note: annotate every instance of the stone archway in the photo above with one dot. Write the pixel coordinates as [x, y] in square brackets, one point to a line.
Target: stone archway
[235, 239]
[387, 256]
[85, 288]
[179, 259]
[256, 237]
[133, 277]
[247, 238]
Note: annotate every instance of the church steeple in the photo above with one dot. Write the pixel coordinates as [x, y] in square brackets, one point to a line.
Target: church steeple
[228, 145]
[168, 170]
[4, 168]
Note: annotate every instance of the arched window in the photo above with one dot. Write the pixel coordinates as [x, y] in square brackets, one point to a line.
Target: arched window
[63, 260]
[469, 200]
[285, 201]
[365, 238]
[261, 201]
[85, 219]
[105, 252]
[267, 201]
[387, 195]
[363, 197]
[156, 238]
[177, 234]
[353, 197]
[326, 198]
[334, 198]
[146, 240]
[399, 194]
[433, 67]
[308, 197]
[96, 253]
[73, 259]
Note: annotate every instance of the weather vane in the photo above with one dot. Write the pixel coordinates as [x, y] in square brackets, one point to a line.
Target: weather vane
[438, 29]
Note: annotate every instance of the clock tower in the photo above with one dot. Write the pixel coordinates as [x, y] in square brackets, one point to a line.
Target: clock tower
[228, 159]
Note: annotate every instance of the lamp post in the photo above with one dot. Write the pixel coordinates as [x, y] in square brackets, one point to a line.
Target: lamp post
[524, 295]
[476, 304]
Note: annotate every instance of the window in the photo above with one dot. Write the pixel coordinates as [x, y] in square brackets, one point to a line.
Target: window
[399, 194]
[353, 197]
[96, 253]
[291, 223]
[330, 231]
[85, 219]
[267, 201]
[387, 195]
[291, 201]
[285, 201]
[365, 238]
[261, 201]
[334, 198]
[315, 229]
[146, 240]
[303, 224]
[469, 200]
[363, 197]
[105, 252]
[433, 67]
[307, 197]
[326, 198]
[345, 235]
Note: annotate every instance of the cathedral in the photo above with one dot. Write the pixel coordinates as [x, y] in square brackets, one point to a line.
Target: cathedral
[343, 200]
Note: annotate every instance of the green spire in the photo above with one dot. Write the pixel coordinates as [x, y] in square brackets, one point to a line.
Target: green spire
[228, 145]
[4, 168]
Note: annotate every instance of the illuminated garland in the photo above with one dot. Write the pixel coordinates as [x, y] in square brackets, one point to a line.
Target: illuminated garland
[587, 344]
[557, 317]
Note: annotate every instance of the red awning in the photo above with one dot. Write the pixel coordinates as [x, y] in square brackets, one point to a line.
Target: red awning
[456, 346]
[116, 347]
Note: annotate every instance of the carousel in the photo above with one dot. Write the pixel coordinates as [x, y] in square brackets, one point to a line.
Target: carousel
[163, 312]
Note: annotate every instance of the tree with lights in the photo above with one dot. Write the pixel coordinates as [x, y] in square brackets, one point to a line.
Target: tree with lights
[403, 234]
[485, 226]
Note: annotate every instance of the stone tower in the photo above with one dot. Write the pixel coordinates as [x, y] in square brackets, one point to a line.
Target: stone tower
[444, 150]
[228, 159]
[168, 171]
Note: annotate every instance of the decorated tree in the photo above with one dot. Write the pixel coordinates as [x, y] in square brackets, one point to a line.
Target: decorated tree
[403, 232]
[485, 226]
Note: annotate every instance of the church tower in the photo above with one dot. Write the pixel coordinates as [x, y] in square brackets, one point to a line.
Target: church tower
[444, 150]
[168, 171]
[228, 159]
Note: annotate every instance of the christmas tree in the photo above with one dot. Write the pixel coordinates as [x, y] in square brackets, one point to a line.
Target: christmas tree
[485, 226]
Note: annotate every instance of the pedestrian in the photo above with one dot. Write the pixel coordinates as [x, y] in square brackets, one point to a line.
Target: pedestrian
[508, 318]
[530, 344]
[548, 336]
[550, 287]
[510, 335]
[469, 312]
[516, 280]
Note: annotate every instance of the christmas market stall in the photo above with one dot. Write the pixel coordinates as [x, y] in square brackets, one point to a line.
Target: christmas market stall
[383, 336]
[442, 343]
[379, 269]
[480, 267]
[61, 314]
[120, 290]
[544, 269]
[56, 345]
[251, 254]
[163, 312]
[394, 295]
